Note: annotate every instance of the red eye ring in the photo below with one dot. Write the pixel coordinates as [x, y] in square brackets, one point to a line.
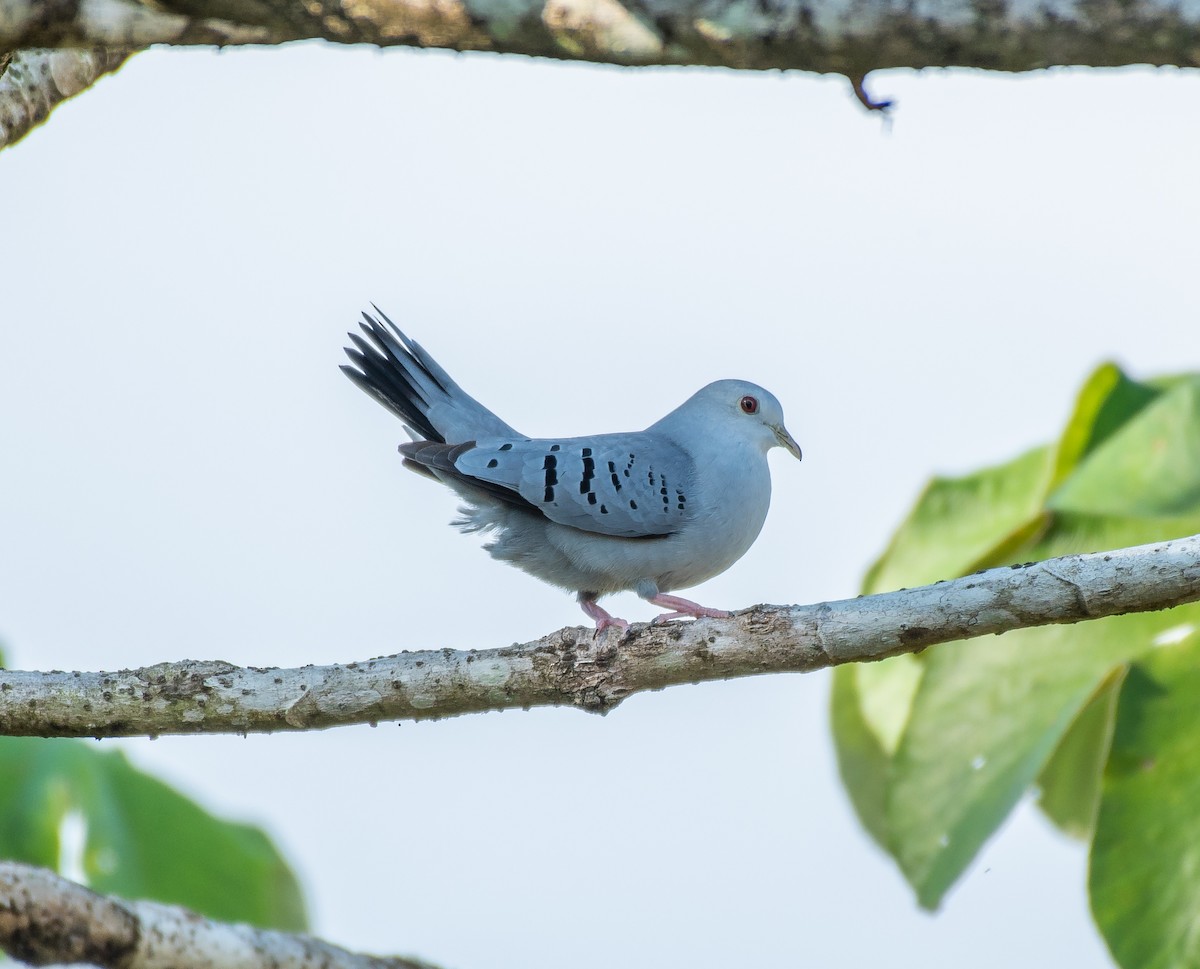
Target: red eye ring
[749, 404]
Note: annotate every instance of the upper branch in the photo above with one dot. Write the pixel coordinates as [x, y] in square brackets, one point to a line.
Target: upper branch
[572, 668]
[34, 82]
[850, 37]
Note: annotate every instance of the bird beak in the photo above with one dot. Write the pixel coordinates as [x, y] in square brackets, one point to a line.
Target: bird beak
[786, 440]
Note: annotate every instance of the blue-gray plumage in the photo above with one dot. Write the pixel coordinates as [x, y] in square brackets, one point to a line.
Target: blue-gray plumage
[651, 511]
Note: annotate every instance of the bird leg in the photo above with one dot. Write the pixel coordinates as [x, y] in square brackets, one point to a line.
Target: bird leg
[602, 617]
[684, 609]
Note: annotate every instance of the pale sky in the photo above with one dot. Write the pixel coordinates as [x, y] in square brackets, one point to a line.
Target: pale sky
[187, 474]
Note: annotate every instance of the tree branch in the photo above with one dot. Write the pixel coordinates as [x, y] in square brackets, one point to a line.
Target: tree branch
[572, 668]
[34, 82]
[48, 919]
[851, 37]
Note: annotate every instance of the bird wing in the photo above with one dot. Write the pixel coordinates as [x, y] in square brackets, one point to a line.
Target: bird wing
[622, 485]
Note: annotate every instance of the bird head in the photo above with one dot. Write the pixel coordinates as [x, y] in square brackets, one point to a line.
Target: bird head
[746, 410]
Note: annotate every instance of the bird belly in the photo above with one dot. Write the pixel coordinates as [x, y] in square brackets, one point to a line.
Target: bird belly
[703, 548]
[719, 533]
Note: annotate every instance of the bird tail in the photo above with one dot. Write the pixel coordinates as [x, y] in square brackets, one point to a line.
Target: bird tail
[399, 374]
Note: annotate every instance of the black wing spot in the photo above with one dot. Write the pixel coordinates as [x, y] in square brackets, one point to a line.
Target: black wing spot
[680, 506]
[550, 466]
[592, 498]
[589, 472]
[627, 472]
[662, 491]
[586, 452]
[555, 447]
[505, 447]
[492, 463]
[603, 510]
[549, 495]
[633, 504]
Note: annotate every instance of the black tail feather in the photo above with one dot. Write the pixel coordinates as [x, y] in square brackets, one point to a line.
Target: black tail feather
[385, 368]
[411, 346]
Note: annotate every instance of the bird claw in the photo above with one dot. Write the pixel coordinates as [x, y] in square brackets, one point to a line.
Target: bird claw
[608, 622]
[684, 609]
[603, 619]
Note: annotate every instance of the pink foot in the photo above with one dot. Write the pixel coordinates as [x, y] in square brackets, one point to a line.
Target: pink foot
[684, 609]
[602, 618]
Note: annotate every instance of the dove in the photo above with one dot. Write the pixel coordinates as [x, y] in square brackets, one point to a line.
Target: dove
[649, 511]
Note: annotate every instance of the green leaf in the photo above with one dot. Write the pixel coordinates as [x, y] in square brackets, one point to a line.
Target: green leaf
[979, 734]
[1106, 402]
[869, 709]
[982, 520]
[35, 797]
[229, 871]
[959, 522]
[1070, 782]
[886, 690]
[936, 751]
[986, 720]
[862, 762]
[1145, 862]
[1149, 467]
[143, 839]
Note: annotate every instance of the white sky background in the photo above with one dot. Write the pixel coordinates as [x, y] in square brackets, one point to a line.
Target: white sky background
[186, 474]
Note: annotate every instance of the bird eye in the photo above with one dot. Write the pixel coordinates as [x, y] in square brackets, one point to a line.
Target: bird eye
[749, 404]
